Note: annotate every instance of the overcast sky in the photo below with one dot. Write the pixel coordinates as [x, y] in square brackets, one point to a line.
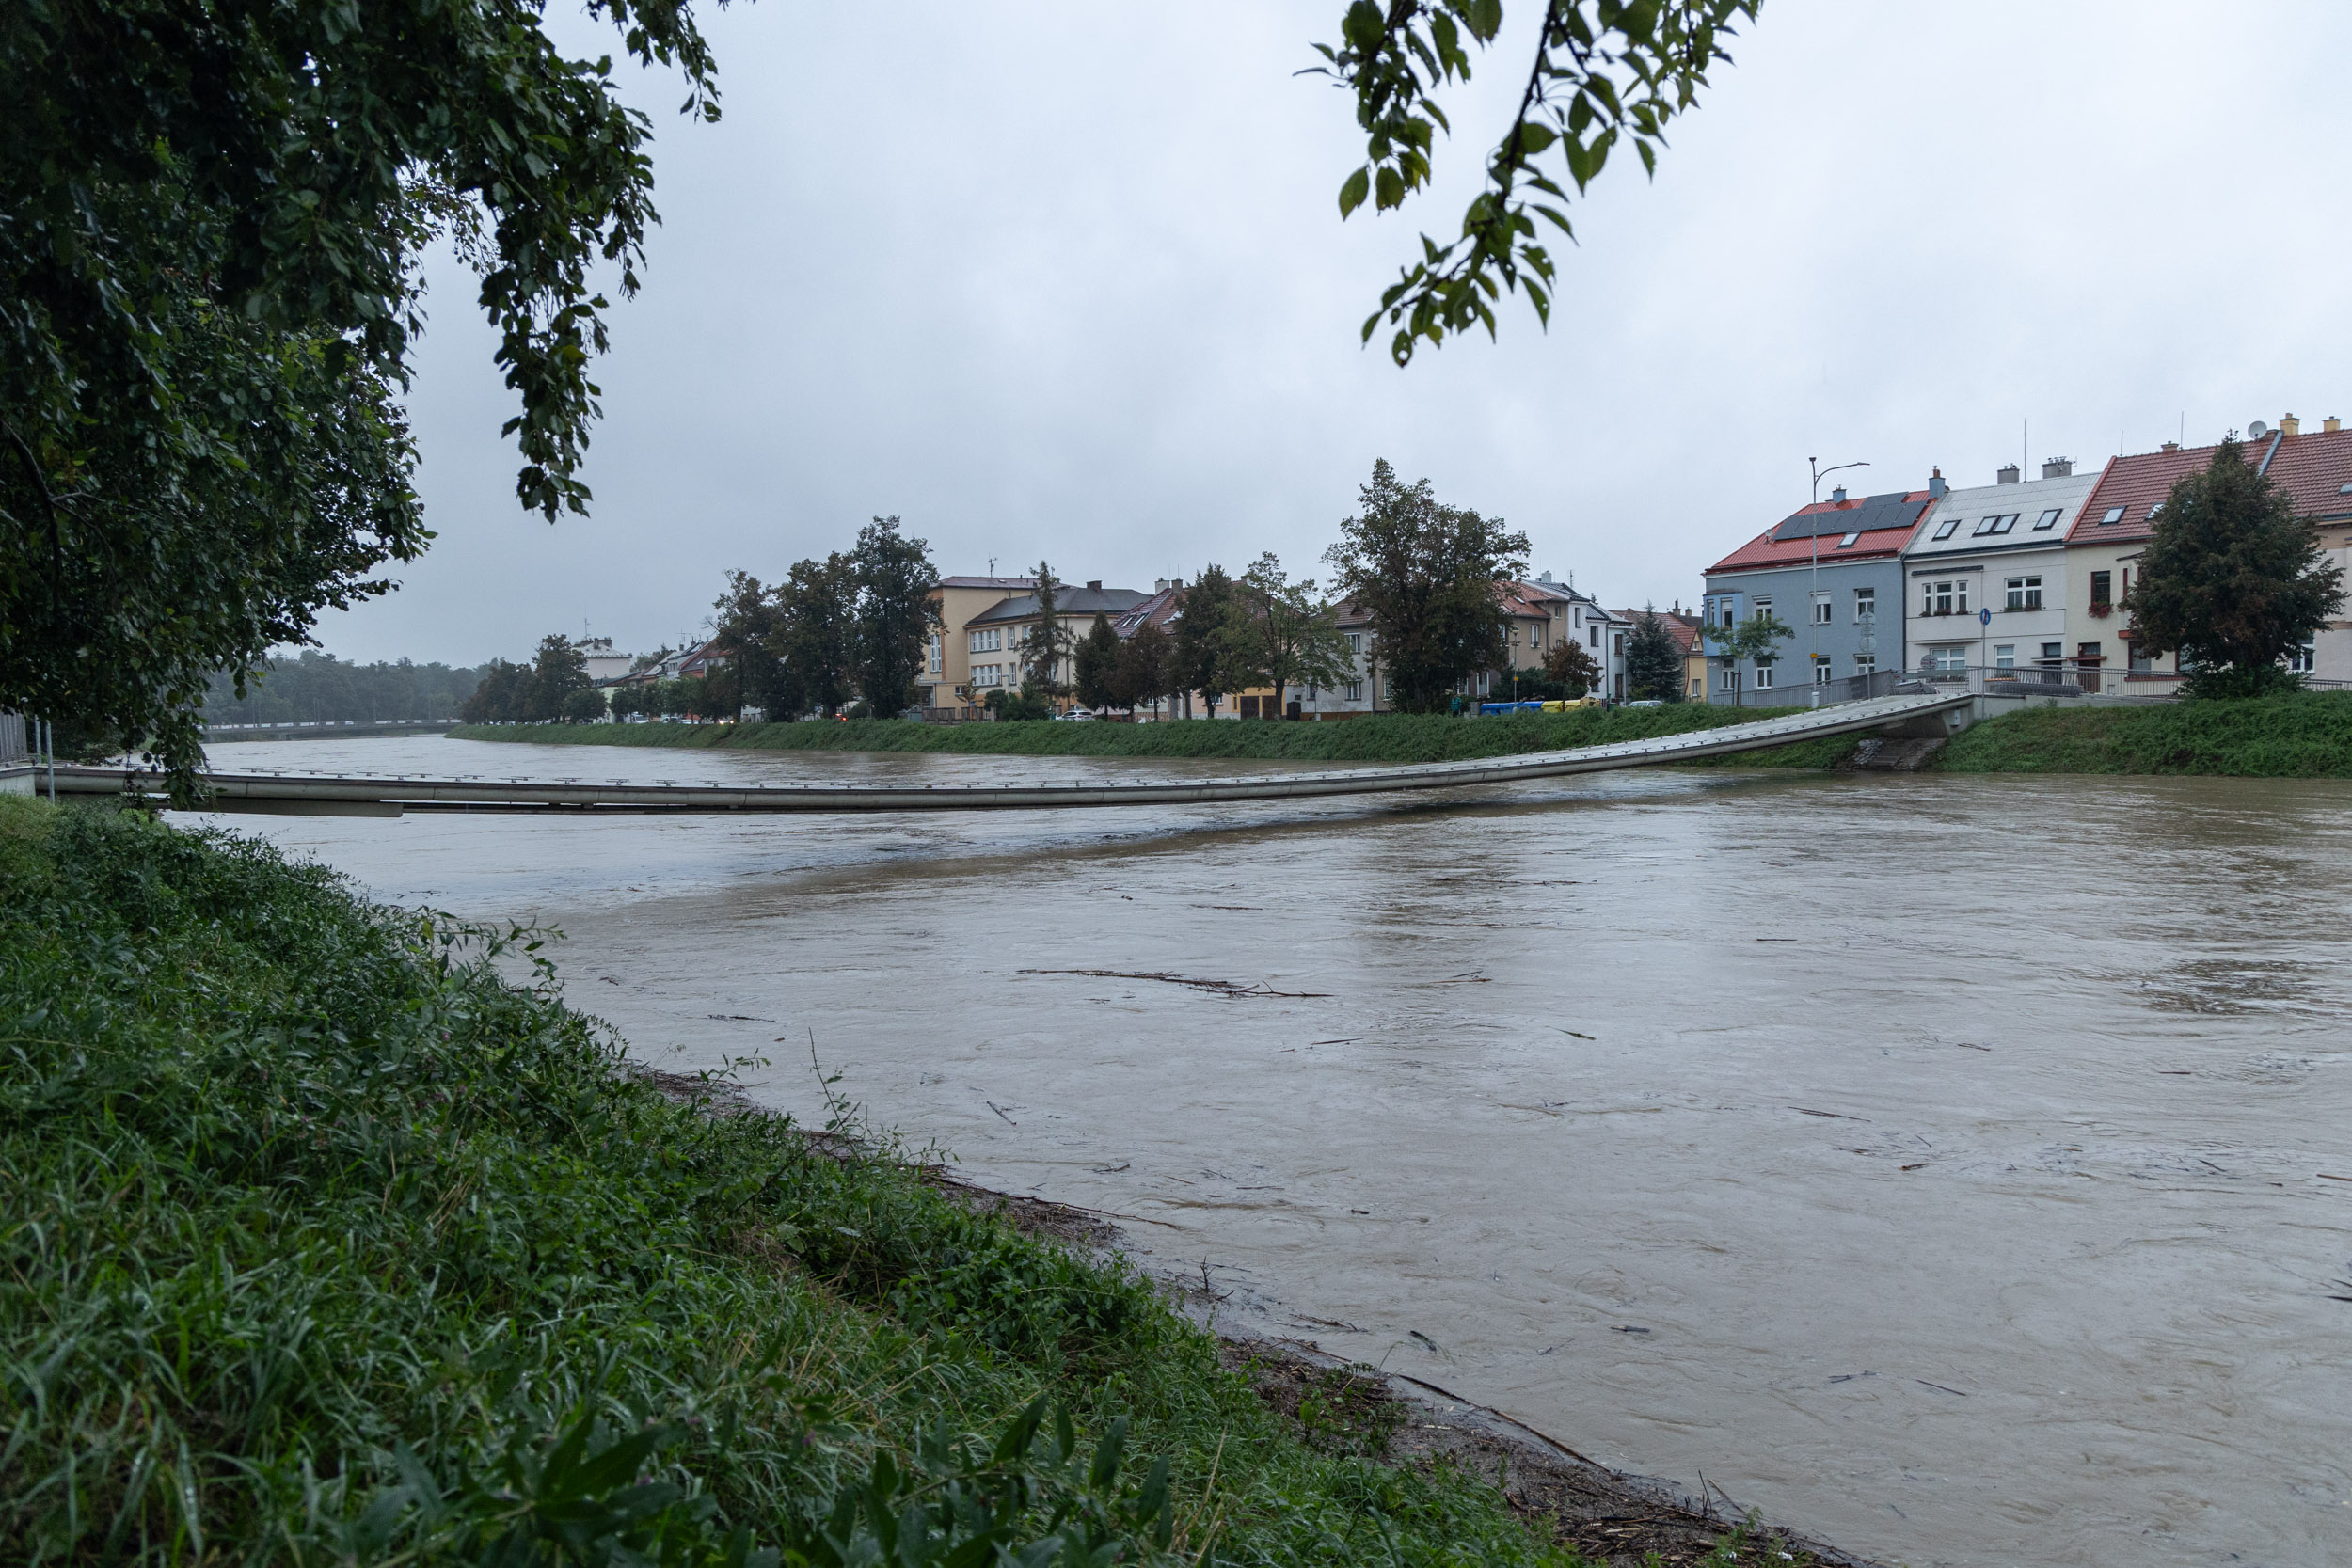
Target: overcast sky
[1068, 280]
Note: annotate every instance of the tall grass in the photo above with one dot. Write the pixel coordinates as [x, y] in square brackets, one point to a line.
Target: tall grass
[2293, 735]
[320, 1243]
[1382, 737]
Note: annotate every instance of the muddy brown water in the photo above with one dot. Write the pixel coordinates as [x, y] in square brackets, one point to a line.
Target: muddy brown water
[1933, 1164]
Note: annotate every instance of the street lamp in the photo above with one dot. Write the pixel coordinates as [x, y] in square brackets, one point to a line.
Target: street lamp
[1813, 593]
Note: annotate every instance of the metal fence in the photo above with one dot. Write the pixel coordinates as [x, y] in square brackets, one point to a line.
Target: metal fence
[1849, 689]
[14, 749]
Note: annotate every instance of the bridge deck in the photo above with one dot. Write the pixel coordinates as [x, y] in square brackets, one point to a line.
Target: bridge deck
[330, 796]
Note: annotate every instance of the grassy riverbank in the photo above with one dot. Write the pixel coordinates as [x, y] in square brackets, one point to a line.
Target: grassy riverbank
[322, 1243]
[2297, 734]
[1383, 737]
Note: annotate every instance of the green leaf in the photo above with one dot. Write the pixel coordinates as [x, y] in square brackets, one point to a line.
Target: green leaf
[1353, 192]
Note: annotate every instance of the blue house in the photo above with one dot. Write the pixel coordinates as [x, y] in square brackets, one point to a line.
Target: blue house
[1833, 573]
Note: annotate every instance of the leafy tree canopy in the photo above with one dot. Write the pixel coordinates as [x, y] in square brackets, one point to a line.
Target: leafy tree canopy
[1653, 660]
[1196, 660]
[897, 614]
[2231, 580]
[1576, 670]
[1094, 669]
[1605, 73]
[1285, 634]
[1427, 575]
[211, 216]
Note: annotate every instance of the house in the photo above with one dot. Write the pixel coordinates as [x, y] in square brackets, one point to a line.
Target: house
[1579, 617]
[1986, 583]
[1684, 628]
[947, 663]
[1537, 617]
[1830, 572]
[994, 639]
[2104, 549]
[604, 666]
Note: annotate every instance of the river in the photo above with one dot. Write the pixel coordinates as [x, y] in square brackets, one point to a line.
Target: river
[1933, 1164]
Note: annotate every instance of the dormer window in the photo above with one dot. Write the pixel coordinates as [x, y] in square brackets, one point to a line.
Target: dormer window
[2114, 515]
[1847, 543]
[2047, 520]
[1948, 526]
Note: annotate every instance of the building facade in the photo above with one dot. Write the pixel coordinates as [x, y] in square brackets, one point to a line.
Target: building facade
[2314, 468]
[1985, 579]
[995, 641]
[1833, 573]
[947, 663]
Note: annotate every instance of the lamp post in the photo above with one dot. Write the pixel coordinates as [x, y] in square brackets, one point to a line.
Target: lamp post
[1813, 588]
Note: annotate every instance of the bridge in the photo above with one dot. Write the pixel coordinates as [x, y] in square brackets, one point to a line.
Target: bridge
[1923, 713]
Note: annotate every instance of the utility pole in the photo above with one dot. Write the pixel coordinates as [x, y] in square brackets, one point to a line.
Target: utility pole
[1813, 589]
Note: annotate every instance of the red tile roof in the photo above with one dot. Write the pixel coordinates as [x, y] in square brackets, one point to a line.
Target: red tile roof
[1766, 550]
[2312, 467]
[1684, 629]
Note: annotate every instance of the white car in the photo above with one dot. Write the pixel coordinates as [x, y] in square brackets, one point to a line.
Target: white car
[1075, 716]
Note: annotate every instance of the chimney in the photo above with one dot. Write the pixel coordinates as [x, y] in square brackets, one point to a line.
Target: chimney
[2005, 474]
[1095, 586]
[2173, 446]
[2289, 425]
[2330, 424]
[1160, 587]
[1935, 483]
[1837, 496]
[2057, 468]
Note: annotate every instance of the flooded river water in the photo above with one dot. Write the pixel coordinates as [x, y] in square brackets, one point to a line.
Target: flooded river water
[1935, 1163]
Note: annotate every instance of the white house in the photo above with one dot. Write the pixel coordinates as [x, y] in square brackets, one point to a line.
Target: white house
[1984, 579]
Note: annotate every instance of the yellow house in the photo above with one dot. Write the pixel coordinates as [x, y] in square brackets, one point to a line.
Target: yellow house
[947, 663]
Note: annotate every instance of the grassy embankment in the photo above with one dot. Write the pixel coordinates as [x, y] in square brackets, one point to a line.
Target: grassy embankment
[322, 1244]
[1384, 737]
[2299, 735]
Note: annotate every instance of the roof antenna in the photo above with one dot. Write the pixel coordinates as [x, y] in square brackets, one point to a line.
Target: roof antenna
[992, 565]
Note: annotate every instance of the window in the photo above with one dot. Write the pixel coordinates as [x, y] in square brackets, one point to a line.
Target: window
[987, 642]
[1938, 598]
[1620, 644]
[1946, 529]
[2140, 663]
[1354, 642]
[1865, 664]
[1820, 670]
[2301, 659]
[1763, 675]
[1353, 691]
[1960, 596]
[2053, 652]
[1595, 630]
[2023, 593]
[2004, 656]
[1698, 689]
[1998, 524]
[2154, 509]
[1866, 605]
[2102, 588]
[1821, 612]
[1726, 681]
[2047, 520]
[2112, 514]
[1847, 543]
[932, 644]
[1763, 604]
[1943, 662]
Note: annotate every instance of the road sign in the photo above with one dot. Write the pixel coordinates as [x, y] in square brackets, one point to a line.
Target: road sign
[1984, 616]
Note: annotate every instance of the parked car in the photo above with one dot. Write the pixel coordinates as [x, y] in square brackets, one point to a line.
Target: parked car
[1075, 716]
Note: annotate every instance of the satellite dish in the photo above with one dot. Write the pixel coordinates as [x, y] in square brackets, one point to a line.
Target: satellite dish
[2258, 430]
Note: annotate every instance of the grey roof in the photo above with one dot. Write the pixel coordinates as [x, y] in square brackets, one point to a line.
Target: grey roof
[1895, 509]
[2029, 501]
[1071, 601]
